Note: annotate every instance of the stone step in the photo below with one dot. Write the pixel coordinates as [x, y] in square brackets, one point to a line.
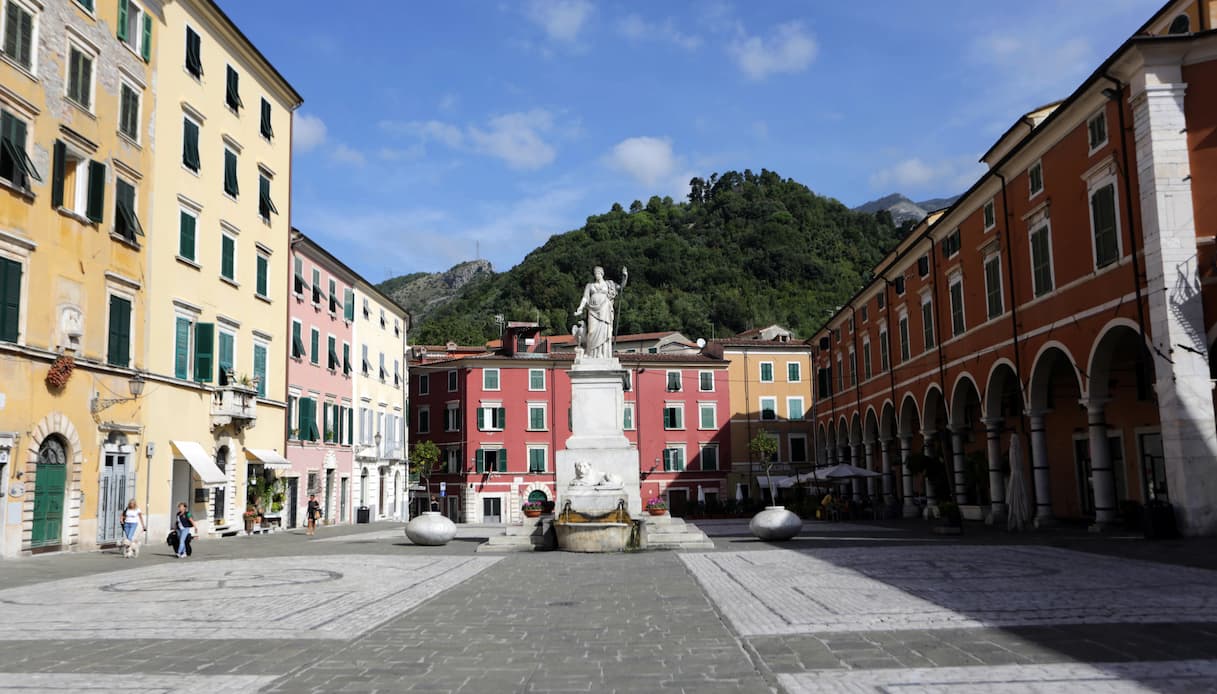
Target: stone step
[676, 534]
[704, 544]
[506, 543]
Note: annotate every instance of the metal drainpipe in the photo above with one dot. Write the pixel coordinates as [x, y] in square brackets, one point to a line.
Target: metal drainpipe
[891, 371]
[1132, 236]
[1018, 361]
[747, 423]
[938, 334]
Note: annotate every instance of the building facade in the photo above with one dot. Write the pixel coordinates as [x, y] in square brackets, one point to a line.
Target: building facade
[1065, 299]
[75, 172]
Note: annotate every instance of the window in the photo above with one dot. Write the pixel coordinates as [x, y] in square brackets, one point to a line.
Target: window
[853, 367]
[331, 353]
[424, 383]
[128, 111]
[674, 459]
[490, 379]
[309, 430]
[491, 460]
[866, 360]
[865, 313]
[204, 351]
[293, 411]
[674, 381]
[705, 381]
[265, 125]
[260, 353]
[993, 296]
[228, 257]
[187, 223]
[266, 206]
[1041, 261]
[80, 75]
[424, 421]
[794, 372]
[367, 365]
[384, 374]
[1035, 179]
[990, 215]
[126, 223]
[536, 379]
[316, 287]
[77, 184]
[536, 416]
[794, 407]
[118, 344]
[673, 416]
[348, 304]
[452, 417]
[536, 459]
[708, 459]
[707, 416]
[452, 456]
[1097, 128]
[491, 418]
[627, 417]
[957, 322]
[231, 187]
[346, 359]
[627, 381]
[262, 283]
[824, 382]
[194, 53]
[225, 353]
[927, 322]
[840, 375]
[898, 285]
[769, 409]
[232, 90]
[798, 448]
[314, 346]
[190, 144]
[333, 296]
[904, 338]
[297, 340]
[923, 266]
[951, 244]
[10, 299]
[452, 381]
[766, 372]
[884, 358]
[366, 311]
[135, 28]
[19, 39]
[881, 300]
[1105, 225]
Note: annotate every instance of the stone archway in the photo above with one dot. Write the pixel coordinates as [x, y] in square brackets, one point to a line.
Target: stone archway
[971, 484]
[56, 425]
[908, 426]
[1053, 391]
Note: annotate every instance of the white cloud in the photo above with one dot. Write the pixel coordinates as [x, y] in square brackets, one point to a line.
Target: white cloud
[562, 20]
[915, 175]
[347, 155]
[518, 138]
[646, 159]
[448, 101]
[635, 28]
[788, 49]
[308, 132]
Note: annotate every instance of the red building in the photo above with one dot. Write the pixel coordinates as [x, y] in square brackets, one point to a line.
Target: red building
[1067, 299]
[500, 417]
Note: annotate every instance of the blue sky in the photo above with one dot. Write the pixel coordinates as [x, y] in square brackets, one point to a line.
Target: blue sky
[436, 132]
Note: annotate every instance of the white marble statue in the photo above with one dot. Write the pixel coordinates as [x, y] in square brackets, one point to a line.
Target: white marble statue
[596, 336]
[587, 476]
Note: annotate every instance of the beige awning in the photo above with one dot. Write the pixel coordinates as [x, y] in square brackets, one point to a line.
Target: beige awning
[204, 466]
[269, 459]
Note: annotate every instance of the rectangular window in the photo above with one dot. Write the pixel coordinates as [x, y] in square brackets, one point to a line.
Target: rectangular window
[260, 353]
[424, 421]
[316, 287]
[1041, 261]
[80, 76]
[187, 224]
[367, 365]
[794, 372]
[492, 418]
[766, 372]
[866, 360]
[824, 382]
[333, 296]
[769, 409]
[707, 416]
[951, 244]
[794, 408]
[705, 381]
[126, 222]
[15, 163]
[19, 35]
[674, 459]
[348, 304]
[190, 144]
[452, 381]
[536, 417]
[923, 266]
[536, 460]
[424, 383]
[265, 127]
[232, 90]
[674, 417]
[225, 352]
[183, 330]
[881, 300]
[708, 459]
[297, 340]
[128, 111]
[118, 352]
[853, 368]
[491, 460]
[840, 375]
[536, 379]
[194, 53]
[228, 257]
[865, 313]
[1103, 218]
[331, 353]
[627, 416]
[1035, 179]
[898, 285]
[314, 346]
[135, 28]
[266, 206]
[204, 351]
[262, 285]
[957, 322]
[990, 215]
[993, 296]
[490, 379]
[927, 323]
[798, 448]
[673, 381]
[884, 357]
[231, 186]
[1097, 128]
[346, 359]
[77, 184]
[384, 373]
[452, 417]
[904, 339]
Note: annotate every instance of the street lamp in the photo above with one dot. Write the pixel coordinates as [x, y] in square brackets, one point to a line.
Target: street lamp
[135, 385]
[376, 438]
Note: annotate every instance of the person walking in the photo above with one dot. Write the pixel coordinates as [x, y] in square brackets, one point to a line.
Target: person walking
[313, 513]
[132, 519]
[185, 528]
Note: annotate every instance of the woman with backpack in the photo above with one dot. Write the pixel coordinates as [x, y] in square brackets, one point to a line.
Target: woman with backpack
[185, 528]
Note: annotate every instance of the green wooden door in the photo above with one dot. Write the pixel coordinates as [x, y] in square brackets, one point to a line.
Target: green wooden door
[49, 483]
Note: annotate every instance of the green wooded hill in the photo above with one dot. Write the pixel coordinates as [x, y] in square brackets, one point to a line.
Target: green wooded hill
[745, 250]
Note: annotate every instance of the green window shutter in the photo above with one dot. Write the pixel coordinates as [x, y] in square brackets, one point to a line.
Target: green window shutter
[479, 459]
[232, 94]
[194, 52]
[326, 432]
[481, 411]
[95, 209]
[332, 352]
[146, 48]
[190, 145]
[10, 299]
[225, 354]
[315, 344]
[348, 304]
[297, 341]
[266, 206]
[261, 286]
[351, 420]
[667, 418]
[346, 359]
[204, 351]
[267, 130]
[181, 349]
[119, 353]
[58, 166]
[667, 460]
[500, 417]
[502, 466]
[231, 185]
[122, 20]
[186, 236]
[260, 369]
[228, 249]
[1107, 249]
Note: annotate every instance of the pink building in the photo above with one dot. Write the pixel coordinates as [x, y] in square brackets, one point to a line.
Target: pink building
[500, 417]
[320, 416]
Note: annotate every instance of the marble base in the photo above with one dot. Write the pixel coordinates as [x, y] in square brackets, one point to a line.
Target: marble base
[592, 537]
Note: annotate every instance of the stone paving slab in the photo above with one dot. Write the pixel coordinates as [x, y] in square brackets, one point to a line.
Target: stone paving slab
[945, 587]
[40, 682]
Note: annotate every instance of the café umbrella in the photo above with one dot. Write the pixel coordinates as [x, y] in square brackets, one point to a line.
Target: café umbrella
[1018, 504]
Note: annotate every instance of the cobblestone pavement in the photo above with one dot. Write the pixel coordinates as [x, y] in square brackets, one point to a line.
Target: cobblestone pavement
[848, 609]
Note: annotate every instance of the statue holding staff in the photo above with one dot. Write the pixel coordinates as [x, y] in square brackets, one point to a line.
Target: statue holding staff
[596, 336]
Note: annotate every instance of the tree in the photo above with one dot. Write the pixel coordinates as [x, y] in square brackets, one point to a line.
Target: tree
[765, 446]
[423, 458]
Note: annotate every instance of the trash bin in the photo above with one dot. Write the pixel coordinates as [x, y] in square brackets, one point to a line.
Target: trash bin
[1159, 521]
[363, 514]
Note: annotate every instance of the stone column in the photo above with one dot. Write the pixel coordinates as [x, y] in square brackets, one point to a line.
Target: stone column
[1172, 276]
[885, 452]
[1102, 479]
[856, 461]
[997, 481]
[927, 448]
[869, 451]
[1041, 473]
[961, 495]
[906, 447]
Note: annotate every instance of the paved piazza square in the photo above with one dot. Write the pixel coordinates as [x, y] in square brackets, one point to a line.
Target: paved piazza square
[320, 597]
[945, 587]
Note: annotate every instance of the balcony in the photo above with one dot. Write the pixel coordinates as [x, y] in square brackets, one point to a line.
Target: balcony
[234, 404]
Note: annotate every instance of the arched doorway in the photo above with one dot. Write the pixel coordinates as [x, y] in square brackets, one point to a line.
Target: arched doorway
[1057, 427]
[971, 466]
[50, 482]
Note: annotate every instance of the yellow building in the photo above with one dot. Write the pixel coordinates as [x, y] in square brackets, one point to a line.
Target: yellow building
[218, 271]
[75, 171]
[770, 375]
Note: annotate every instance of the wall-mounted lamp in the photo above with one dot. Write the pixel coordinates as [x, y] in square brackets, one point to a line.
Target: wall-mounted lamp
[135, 384]
[1111, 94]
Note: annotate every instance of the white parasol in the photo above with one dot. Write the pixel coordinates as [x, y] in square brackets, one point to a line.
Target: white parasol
[1018, 504]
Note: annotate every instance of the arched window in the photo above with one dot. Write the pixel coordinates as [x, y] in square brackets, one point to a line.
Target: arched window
[52, 452]
[538, 495]
[1181, 25]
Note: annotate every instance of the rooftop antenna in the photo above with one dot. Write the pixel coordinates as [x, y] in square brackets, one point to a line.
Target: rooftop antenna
[477, 250]
[498, 320]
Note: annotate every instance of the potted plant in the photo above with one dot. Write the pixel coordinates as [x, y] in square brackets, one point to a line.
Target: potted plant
[656, 506]
[775, 522]
[250, 517]
[532, 509]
